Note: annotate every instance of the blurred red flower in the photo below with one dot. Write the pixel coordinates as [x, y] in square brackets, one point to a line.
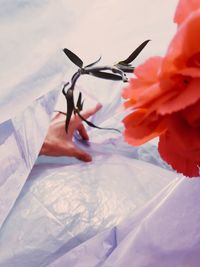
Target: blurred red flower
[184, 9]
[165, 96]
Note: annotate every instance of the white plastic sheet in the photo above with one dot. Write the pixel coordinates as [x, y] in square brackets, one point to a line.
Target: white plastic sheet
[165, 233]
[21, 139]
[62, 206]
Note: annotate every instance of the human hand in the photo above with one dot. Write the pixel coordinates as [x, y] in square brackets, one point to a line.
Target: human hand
[59, 143]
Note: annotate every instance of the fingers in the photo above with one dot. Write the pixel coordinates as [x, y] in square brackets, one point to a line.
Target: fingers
[87, 113]
[59, 116]
[83, 133]
[81, 155]
[70, 150]
[77, 121]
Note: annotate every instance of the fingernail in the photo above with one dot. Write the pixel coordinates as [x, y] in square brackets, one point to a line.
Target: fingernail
[98, 106]
[88, 158]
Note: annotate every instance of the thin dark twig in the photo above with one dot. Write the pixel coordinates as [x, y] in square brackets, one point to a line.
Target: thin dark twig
[116, 72]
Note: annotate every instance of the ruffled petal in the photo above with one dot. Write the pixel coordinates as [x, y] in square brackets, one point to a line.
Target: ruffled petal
[155, 104]
[185, 9]
[192, 115]
[189, 96]
[191, 72]
[183, 46]
[135, 87]
[176, 158]
[146, 75]
[149, 70]
[143, 97]
[186, 138]
[129, 104]
[139, 129]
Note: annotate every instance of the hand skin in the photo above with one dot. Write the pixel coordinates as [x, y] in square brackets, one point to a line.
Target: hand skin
[59, 143]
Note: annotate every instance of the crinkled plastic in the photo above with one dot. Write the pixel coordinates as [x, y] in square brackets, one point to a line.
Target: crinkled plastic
[165, 232]
[62, 206]
[20, 142]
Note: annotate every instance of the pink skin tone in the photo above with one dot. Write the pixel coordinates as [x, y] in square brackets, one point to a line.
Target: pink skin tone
[57, 143]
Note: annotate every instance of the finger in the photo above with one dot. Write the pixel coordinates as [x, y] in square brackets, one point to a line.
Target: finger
[87, 113]
[83, 133]
[60, 112]
[81, 155]
[59, 116]
[72, 151]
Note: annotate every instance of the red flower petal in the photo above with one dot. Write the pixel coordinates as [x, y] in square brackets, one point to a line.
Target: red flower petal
[139, 129]
[143, 97]
[144, 88]
[185, 9]
[135, 86]
[176, 158]
[130, 103]
[186, 139]
[188, 96]
[191, 72]
[183, 47]
[192, 115]
[149, 70]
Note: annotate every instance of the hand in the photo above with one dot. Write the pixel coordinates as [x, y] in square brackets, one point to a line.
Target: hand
[59, 143]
